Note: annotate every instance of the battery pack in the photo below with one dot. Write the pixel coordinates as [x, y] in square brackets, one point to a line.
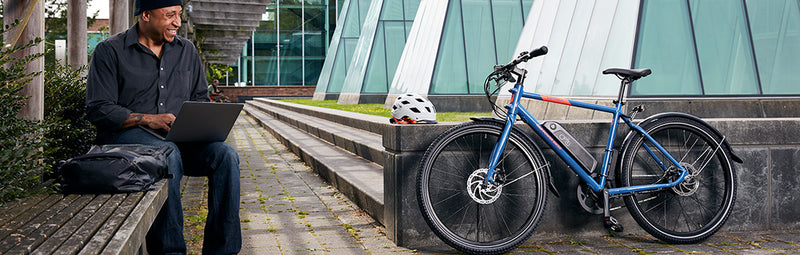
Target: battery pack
[571, 145]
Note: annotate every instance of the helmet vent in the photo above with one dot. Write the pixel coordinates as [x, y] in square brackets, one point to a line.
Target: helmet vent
[405, 102]
[414, 109]
[428, 109]
[420, 100]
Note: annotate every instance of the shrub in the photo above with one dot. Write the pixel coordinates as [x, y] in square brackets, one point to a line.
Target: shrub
[64, 105]
[24, 147]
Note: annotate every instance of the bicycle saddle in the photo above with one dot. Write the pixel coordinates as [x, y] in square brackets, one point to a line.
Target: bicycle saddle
[633, 74]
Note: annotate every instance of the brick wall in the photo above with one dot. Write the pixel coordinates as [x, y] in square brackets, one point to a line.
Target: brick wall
[234, 93]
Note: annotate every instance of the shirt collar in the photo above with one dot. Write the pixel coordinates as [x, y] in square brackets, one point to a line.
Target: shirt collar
[132, 37]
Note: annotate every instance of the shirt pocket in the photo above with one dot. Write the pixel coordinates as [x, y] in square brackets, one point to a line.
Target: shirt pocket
[182, 84]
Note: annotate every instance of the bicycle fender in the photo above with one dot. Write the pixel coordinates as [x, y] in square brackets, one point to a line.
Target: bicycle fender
[688, 116]
[550, 185]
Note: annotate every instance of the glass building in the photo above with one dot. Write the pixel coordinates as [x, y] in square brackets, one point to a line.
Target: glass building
[342, 47]
[381, 48]
[290, 44]
[696, 48]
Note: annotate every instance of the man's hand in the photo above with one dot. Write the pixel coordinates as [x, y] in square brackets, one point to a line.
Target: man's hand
[153, 121]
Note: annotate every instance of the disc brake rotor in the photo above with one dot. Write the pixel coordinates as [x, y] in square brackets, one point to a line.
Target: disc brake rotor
[479, 193]
[690, 184]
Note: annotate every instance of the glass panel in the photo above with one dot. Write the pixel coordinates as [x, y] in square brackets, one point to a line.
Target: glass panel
[363, 9]
[593, 47]
[291, 71]
[408, 27]
[349, 49]
[723, 46]
[315, 43]
[526, 8]
[315, 19]
[268, 20]
[450, 73]
[392, 10]
[352, 25]
[411, 7]
[395, 42]
[375, 78]
[266, 71]
[266, 43]
[479, 42]
[507, 24]
[290, 19]
[338, 71]
[775, 27]
[291, 43]
[666, 46]
[313, 69]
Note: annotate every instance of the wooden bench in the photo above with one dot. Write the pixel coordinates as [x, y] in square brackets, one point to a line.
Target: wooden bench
[80, 224]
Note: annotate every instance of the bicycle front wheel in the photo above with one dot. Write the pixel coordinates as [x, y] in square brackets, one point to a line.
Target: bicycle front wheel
[465, 214]
[697, 207]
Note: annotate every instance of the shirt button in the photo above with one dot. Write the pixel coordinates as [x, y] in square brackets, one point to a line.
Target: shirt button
[162, 69]
[162, 87]
[161, 104]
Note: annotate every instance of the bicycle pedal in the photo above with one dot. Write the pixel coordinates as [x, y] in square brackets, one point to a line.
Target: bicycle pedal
[612, 224]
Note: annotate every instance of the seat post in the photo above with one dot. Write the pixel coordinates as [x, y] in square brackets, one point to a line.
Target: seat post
[621, 95]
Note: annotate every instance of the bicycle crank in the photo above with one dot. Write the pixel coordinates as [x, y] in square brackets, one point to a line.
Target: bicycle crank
[588, 200]
[477, 191]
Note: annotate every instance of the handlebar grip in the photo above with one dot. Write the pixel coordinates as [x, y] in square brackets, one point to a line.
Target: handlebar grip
[538, 52]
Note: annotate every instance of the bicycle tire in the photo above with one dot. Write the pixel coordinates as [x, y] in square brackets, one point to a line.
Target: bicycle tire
[693, 210]
[458, 209]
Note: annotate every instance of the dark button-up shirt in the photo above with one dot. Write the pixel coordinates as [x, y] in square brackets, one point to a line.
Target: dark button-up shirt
[127, 77]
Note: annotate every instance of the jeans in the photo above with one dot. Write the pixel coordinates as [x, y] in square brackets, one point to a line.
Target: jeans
[220, 163]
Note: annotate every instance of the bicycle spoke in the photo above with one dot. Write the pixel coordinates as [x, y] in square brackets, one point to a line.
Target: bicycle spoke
[447, 198]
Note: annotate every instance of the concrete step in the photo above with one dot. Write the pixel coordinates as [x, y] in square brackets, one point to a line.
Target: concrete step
[371, 123]
[365, 144]
[355, 177]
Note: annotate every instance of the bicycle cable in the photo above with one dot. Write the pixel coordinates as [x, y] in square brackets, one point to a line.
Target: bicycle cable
[496, 109]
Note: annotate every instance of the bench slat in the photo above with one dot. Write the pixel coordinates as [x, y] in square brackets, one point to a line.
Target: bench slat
[27, 215]
[103, 236]
[76, 242]
[54, 242]
[36, 230]
[132, 232]
[11, 209]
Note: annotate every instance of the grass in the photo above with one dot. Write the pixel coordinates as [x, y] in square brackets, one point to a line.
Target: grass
[379, 110]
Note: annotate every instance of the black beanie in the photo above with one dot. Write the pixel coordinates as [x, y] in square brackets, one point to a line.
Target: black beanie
[144, 5]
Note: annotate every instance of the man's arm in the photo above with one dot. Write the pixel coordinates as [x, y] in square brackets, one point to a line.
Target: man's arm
[153, 121]
[102, 92]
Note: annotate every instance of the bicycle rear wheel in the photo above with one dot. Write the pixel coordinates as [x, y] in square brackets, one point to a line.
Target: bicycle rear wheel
[694, 209]
[468, 216]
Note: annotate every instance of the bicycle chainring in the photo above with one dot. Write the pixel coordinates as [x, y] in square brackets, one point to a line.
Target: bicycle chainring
[588, 201]
[479, 193]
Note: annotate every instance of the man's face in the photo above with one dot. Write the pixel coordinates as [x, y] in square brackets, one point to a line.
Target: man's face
[165, 22]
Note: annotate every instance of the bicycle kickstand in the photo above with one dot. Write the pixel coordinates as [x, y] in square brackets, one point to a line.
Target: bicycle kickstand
[609, 221]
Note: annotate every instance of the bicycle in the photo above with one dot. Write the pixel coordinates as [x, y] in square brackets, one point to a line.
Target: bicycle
[481, 185]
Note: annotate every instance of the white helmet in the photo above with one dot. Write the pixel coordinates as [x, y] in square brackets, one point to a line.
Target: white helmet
[413, 108]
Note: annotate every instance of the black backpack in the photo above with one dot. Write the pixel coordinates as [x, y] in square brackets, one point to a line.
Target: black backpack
[114, 168]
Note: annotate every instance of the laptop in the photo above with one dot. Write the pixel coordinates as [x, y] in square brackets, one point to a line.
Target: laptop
[200, 122]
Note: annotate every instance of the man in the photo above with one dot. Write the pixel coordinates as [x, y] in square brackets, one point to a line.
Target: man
[141, 77]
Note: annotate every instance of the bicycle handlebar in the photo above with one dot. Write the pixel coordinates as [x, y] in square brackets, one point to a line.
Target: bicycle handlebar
[524, 57]
[504, 71]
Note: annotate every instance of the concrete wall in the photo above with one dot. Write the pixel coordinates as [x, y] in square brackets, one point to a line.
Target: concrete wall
[768, 181]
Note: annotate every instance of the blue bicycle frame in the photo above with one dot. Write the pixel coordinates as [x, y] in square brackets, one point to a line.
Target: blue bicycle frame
[515, 109]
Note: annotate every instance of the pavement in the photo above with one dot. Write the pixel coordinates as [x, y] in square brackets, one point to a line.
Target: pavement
[288, 209]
